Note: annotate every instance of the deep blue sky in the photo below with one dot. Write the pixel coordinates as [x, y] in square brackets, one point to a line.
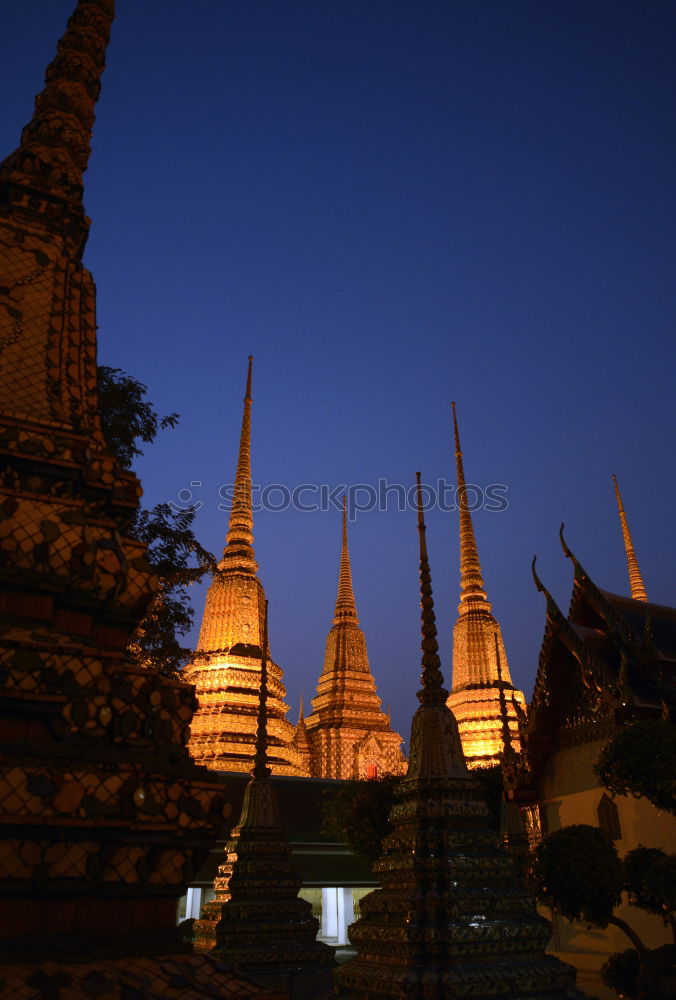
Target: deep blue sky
[392, 205]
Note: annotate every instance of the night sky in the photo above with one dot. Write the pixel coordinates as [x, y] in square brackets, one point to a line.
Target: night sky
[392, 205]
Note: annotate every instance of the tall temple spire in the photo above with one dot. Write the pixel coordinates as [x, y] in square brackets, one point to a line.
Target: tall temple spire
[84, 894]
[436, 751]
[349, 734]
[239, 540]
[44, 176]
[346, 609]
[472, 590]
[432, 691]
[636, 584]
[480, 668]
[48, 300]
[226, 668]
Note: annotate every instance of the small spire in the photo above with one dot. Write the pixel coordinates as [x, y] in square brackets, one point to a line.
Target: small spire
[261, 771]
[44, 176]
[504, 718]
[346, 609]
[240, 528]
[472, 590]
[301, 715]
[636, 584]
[432, 691]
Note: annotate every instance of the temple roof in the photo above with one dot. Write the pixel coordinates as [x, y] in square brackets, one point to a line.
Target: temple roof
[610, 660]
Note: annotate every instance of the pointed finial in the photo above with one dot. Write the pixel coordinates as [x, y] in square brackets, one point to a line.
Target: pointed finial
[564, 544]
[346, 609]
[43, 178]
[247, 394]
[260, 768]
[301, 716]
[239, 540]
[472, 588]
[636, 584]
[432, 691]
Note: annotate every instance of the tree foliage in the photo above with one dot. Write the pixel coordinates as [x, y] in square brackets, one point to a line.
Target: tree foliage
[621, 973]
[493, 786]
[357, 813]
[178, 560]
[577, 871]
[640, 760]
[127, 417]
[649, 878]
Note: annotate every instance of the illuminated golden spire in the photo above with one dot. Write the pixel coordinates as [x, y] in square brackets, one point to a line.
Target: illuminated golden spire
[638, 591]
[346, 609]
[472, 590]
[43, 178]
[480, 669]
[227, 664]
[348, 732]
[239, 540]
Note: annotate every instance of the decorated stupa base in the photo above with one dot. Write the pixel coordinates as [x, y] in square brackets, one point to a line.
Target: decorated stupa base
[452, 917]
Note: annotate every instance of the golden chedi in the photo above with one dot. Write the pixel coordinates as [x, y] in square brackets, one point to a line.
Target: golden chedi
[451, 918]
[480, 668]
[226, 668]
[350, 736]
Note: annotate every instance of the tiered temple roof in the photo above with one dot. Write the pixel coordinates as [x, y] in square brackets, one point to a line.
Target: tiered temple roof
[105, 816]
[452, 918]
[226, 669]
[480, 667]
[611, 660]
[350, 736]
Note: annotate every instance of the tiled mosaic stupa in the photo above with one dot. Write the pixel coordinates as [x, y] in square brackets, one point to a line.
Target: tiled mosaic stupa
[257, 923]
[105, 816]
[451, 919]
[349, 734]
[480, 667]
[226, 669]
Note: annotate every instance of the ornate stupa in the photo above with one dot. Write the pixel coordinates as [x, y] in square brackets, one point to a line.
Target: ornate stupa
[257, 923]
[479, 652]
[636, 584]
[451, 917]
[350, 736]
[226, 669]
[105, 816]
